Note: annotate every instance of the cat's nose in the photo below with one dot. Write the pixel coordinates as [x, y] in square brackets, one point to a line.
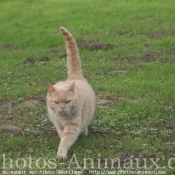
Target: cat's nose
[62, 107]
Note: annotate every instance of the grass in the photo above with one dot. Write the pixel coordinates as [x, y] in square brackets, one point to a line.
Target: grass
[134, 76]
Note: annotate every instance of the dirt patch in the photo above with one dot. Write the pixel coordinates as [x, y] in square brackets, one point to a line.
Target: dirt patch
[93, 45]
[118, 71]
[125, 33]
[160, 34]
[105, 96]
[11, 129]
[60, 52]
[151, 58]
[29, 103]
[168, 61]
[119, 33]
[9, 46]
[145, 58]
[27, 100]
[107, 99]
[55, 51]
[33, 59]
[126, 58]
[41, 98]
[148, 57]
[5, 119]
[50, 131]
[103, 100]
[9, 124]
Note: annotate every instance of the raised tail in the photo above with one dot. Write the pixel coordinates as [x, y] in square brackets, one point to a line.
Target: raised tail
[73, 58]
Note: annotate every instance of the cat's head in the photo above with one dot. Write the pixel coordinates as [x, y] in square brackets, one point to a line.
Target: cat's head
[62, 100]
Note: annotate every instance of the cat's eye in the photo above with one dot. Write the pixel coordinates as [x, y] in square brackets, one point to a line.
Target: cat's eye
[56, 102]
[68, 101]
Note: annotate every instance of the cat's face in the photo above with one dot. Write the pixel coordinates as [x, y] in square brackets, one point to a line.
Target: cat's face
[62, 101]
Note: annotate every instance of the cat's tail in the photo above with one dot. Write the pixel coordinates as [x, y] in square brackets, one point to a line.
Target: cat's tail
[73, 58]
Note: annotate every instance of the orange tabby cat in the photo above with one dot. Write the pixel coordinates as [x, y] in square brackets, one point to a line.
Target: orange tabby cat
[71, 103]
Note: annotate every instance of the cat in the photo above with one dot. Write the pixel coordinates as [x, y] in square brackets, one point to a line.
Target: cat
[71, 103]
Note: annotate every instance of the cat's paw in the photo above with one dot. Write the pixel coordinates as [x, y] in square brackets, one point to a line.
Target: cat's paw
[62, 156]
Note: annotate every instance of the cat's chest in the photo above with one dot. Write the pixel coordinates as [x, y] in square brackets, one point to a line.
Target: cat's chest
[59, 120]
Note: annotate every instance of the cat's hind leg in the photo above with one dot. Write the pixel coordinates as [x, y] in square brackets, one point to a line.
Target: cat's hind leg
[86, 132]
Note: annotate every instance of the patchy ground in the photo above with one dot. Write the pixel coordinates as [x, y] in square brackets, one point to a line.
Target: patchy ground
[32, 59]
[12, 123]
[130, 65]
[93, 45]
[9, 46]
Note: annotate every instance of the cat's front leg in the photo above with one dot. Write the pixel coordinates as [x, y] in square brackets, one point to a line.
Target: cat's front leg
[54, 119]
[59, 130]
[69, 136]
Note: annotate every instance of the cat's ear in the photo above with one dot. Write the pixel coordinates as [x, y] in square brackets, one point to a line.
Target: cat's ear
[50, 88]
[71, 87]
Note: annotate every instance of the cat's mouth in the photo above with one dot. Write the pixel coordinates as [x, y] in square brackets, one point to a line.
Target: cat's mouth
[64, 112]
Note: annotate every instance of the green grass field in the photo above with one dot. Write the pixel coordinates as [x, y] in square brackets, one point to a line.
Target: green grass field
[127, 50]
